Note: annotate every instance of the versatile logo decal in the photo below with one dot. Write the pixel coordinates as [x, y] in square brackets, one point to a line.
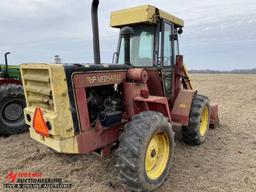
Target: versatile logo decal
[104, 78]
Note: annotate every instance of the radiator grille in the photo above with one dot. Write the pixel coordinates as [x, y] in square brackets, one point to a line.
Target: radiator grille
[38, 88]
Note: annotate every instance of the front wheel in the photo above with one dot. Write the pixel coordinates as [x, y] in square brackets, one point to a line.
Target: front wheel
[146, 151]
[199, 121]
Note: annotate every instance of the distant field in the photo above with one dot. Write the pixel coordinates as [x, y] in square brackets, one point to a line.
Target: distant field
[235, 71]
[225, 163]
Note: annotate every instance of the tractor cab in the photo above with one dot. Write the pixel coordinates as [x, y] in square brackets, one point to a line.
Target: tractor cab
[153, 43]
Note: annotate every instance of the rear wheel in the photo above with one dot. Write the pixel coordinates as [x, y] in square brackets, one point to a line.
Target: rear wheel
[12, 103]
[146, 151]
[199, 120]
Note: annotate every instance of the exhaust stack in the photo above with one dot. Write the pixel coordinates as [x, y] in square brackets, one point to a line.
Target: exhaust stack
[6, 62]
[127, 33]
[95, 30]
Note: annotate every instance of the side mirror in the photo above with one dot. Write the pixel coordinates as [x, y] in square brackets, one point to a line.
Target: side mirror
[180, 31]
[127, 33]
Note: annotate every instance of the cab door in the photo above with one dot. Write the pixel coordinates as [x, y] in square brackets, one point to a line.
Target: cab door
[166, 57]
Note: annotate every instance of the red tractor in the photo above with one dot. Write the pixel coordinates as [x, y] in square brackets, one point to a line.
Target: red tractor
[134, 102]
[12, 100]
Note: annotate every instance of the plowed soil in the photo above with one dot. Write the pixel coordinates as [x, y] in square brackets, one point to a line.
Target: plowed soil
[226, 162]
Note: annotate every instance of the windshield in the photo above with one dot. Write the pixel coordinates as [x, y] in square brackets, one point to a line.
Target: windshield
[142, 44]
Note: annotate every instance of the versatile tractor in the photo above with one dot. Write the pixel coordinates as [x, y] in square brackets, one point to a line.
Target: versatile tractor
[12, 100]
[133, 102]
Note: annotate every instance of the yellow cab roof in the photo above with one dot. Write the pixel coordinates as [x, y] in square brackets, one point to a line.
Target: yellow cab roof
[142, 14]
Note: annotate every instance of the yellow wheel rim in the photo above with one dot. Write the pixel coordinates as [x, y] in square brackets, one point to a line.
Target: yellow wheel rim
[204, 121]
[157, 156]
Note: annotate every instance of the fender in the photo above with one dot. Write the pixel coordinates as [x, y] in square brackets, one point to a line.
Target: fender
[182, 105]
[152, 103]
[9, 81]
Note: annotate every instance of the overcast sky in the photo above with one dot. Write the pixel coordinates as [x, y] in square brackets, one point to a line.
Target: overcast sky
[217, 34]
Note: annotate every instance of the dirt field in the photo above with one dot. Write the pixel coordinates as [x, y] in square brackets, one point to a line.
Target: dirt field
[226, 162]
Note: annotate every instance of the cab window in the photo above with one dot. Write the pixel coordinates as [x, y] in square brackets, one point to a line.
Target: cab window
[176, 46]
[142, 46]
[167, 51]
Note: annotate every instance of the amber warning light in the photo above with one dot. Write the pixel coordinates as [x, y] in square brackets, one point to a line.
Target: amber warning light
[39, 123]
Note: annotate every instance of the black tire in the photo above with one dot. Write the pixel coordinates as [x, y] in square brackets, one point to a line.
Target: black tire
[191, 133]
[12, 103]
[134, 143]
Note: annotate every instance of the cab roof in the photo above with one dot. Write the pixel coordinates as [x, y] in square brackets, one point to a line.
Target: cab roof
[142, 14]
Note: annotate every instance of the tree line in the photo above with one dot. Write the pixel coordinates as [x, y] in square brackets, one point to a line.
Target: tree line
[234, 71]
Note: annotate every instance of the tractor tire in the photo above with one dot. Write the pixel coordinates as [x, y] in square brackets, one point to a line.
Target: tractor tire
[199, 121]
[12, 103]
[145, 152]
